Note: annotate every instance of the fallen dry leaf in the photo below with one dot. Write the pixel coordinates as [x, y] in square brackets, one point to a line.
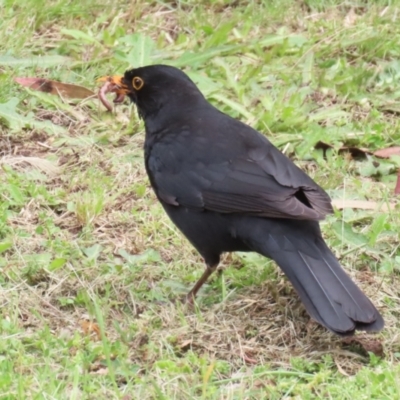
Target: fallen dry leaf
[91, 329]
[101, 371]
[57, 88]
[362, 204]
[186, 344]
[388, 152]
[397, 188]
[42, 164]
[259, 384]
[340, 369]
[365, 344]
[350, 18]
[249, 360]
[355, 152]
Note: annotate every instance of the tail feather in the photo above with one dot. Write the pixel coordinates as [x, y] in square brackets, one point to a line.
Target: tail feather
[327, 292]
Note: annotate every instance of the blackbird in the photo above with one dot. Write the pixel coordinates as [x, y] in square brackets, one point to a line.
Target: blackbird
[227, 188]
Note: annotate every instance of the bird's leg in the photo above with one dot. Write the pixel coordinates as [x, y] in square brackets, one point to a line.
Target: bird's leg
[192, 294]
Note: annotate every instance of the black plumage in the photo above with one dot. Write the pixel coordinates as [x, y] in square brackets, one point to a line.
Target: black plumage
[227, 188]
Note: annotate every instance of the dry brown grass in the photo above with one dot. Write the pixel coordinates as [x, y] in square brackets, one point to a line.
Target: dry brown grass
[85, 200]
[261, 324]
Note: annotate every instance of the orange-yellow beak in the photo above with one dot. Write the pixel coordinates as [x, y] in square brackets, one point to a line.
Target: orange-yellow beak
[112, 84]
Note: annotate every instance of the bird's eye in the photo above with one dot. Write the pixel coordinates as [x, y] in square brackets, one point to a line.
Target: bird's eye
[137, 83]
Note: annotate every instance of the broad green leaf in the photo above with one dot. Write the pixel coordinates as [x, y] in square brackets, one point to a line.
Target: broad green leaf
[329, 113]
[345, 232]
[292, 40]
[149, 255]
[352, 40]
[219, 35]
[41, 259]
[34, 61]
[76, 34]
[191, 59]
[57, 103]
[234, 105]
[230, 76]
[370, 168]
[378, 225]
[16, 122]
[57, 263]
[4, 246]
[205, 84]
[16, 194]
[141, 51]
[92, 252]
[310, 138]
[308, 68]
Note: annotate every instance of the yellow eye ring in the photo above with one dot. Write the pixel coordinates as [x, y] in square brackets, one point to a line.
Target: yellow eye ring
[137, 83]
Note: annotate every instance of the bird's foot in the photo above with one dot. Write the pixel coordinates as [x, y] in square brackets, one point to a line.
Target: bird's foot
[189, 299]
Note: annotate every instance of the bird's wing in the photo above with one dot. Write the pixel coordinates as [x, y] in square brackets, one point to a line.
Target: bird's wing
[261, 181]
[246, 187]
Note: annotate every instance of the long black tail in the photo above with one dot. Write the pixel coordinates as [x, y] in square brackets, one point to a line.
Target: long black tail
[328, 293]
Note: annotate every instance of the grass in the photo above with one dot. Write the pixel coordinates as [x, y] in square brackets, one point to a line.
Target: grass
[92, 269]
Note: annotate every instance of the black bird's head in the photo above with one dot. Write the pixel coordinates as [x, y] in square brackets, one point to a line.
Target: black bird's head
[159, 89]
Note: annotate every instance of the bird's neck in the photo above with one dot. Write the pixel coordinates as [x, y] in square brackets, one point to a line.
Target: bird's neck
[168, 114]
